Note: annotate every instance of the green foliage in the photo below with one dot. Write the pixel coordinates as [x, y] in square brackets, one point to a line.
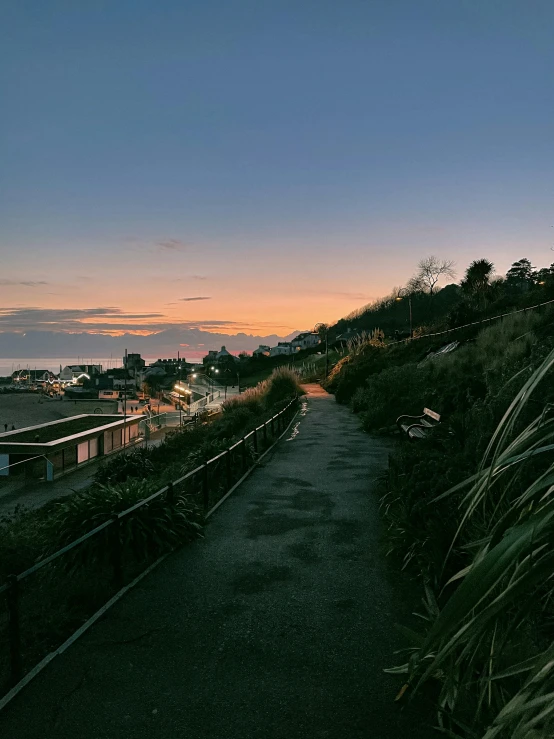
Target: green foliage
[136, 463]
[489, 646]
[483, 550]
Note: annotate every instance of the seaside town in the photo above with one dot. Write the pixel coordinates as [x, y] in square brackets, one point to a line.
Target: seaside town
[51, 424]
[175, 380]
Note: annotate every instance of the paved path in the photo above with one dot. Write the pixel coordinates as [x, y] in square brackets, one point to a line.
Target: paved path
[277, 625]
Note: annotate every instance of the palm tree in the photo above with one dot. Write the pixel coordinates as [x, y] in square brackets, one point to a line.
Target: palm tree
[477, 280]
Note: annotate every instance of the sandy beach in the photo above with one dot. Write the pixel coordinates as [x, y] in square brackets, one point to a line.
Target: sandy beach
[29, 409]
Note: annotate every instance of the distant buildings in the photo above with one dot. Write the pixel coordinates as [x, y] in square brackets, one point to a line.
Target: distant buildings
[219, 357]
[134, 362]
[283, 347]
[305, 340]
[32, 376]
[75, 372]
[261, 351]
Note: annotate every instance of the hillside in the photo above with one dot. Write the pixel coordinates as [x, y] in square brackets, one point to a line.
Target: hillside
[467, 511]
[479, 295]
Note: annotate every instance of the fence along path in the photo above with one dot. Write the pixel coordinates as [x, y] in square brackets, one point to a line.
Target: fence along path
[209, 483]
[480, 322]
[277, 624]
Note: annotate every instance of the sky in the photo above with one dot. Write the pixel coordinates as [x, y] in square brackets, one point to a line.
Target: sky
[259, 166]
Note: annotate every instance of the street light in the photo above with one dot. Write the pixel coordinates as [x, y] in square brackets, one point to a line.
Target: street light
[238, 379]
[211, 382]
[409, 296]
[316, 331]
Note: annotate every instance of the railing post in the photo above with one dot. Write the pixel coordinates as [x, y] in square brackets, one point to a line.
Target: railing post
[244, 454]
[16, 665]
[170, 495]
[205, 489]
[228, 469]
[256, 440]
[273, 425]
[117, 553]
[265, 433]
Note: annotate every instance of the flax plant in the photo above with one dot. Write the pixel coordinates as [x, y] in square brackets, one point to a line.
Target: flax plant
[489, 650]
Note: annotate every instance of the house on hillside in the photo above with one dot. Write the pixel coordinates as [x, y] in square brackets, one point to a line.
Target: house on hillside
[344, 338]
[305, 340]
[261, 351]
[283, 347]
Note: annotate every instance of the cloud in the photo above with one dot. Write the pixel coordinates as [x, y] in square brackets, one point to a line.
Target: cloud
[77, 319]
[26, 283]
[171, 244]
[353, 296]
[111, 320]
[188, 300]
[199, 277]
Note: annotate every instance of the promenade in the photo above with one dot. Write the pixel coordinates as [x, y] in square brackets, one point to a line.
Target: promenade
[277, 625]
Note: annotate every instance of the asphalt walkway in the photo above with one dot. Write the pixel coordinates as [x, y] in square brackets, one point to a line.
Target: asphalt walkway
[278, 624]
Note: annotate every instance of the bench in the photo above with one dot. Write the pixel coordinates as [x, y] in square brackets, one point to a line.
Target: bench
[417, 427]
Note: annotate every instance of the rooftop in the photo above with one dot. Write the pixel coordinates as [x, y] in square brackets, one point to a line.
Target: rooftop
[56, 430]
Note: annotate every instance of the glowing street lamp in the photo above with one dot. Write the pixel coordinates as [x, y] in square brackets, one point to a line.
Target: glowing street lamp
[409, 296]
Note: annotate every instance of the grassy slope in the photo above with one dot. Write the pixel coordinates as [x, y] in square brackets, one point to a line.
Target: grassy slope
[472, 388]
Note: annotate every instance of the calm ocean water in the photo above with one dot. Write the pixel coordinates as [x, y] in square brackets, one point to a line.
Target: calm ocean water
[9, 364]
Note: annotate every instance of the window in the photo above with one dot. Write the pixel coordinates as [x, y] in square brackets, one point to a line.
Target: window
[82, 452]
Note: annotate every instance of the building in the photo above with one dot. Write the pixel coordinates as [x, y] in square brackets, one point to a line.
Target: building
[305, 340]
[50, 450]
[134, 363]
[211, 357]
[283, 347]
[224, 357]
[33, 376]
[75, 372]
[261, 351]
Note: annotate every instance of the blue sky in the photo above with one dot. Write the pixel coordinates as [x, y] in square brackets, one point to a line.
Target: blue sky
[288, 161]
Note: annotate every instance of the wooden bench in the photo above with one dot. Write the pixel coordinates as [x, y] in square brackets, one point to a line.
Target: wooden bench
[417, 427]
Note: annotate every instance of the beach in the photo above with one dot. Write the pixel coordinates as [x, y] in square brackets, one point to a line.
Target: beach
[29, 409]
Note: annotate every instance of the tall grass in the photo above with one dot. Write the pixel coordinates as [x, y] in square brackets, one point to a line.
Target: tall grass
[281, 385]
[489, 648]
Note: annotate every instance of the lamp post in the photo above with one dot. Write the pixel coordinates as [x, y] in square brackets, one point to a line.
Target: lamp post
[210, 385]
[316, 330]
[409, 296]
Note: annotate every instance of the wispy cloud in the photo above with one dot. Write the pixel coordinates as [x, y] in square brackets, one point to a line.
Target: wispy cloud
[198, 277]
[171, 244]
[189, 300]
[110, 320]
[353, 296]
[27, 283]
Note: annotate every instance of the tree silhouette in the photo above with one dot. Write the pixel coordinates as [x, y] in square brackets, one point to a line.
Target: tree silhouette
[477, 280]
[429, 272]
[521, 271]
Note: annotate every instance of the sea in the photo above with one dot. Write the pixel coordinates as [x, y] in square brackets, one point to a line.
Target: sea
[8, 365]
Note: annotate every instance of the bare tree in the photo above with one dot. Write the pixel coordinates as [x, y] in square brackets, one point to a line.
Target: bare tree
[429, 272]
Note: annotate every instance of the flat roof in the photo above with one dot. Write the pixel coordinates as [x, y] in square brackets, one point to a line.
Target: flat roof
[54, 434]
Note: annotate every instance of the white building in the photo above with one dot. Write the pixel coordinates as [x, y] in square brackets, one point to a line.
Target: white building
[305, 340]
[283, 347]
[74, 372]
